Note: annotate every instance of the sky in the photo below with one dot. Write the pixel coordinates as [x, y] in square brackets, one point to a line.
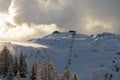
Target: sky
[25, 19]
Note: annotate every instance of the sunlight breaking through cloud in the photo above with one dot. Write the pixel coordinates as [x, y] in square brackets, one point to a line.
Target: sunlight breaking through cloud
[10, 30]
[50, 15]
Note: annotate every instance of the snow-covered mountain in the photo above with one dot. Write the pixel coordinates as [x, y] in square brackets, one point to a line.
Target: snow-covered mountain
[89, 56]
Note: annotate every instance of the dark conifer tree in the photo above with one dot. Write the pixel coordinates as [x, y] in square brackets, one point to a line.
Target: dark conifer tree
[22, 66]
[106, 76]
[6, 60]
[33, 75]
[74, 77]
[10, 74]
[15, 67]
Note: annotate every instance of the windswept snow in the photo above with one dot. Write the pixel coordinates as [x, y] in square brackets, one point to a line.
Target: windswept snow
[27, 44]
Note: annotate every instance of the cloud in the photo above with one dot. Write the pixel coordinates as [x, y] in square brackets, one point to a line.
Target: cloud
[84, 16]
[25, 31]
[11, 30]
[105, 12]
[69, 14]
[59, 12]
[4, 4]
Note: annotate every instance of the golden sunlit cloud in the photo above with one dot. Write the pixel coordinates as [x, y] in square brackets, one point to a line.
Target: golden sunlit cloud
[8, 18]
[21, 21]
[9, 30]
[12, 12]
[24, 31]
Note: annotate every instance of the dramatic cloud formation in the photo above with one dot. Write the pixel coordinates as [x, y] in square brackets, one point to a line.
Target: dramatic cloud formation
[11, 30]
[28, 18]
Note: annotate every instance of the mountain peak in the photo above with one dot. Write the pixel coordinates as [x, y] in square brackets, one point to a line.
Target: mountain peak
[104, 34]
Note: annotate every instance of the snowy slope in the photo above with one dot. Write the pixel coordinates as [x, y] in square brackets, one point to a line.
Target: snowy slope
[89, 56]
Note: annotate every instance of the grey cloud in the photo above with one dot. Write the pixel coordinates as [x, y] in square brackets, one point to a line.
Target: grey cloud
[106, 11]
[30, 11]
[69, 14]
[4, 4]
[23, 30]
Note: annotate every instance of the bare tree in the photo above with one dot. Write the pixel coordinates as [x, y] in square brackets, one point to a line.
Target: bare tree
[67, 75]
[47, 71]
[35, 68]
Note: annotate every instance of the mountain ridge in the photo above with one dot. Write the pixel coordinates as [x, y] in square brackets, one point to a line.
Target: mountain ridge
[86, 55]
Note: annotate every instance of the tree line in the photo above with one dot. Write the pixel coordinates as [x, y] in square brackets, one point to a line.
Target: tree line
[16, 68]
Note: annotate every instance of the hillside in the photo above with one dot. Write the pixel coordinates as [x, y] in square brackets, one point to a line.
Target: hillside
[89, 56]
